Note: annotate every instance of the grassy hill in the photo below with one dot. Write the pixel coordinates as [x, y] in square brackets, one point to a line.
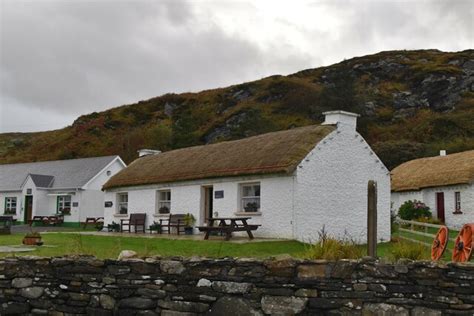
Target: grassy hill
[413, 103]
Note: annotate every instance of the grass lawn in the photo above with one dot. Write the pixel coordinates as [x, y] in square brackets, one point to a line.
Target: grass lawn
[58, 244]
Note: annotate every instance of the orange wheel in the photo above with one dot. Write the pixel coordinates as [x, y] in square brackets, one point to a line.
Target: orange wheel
[439, 243]
[462, 251]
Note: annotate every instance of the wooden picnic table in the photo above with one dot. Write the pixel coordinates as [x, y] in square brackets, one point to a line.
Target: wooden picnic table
[228, 225]
[47, 219]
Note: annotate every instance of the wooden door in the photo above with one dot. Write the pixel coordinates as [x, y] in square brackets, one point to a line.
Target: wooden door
[28, 208]
[208, 203]
[440, 205]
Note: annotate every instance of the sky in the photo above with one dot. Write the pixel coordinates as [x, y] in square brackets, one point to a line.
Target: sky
[63, 58]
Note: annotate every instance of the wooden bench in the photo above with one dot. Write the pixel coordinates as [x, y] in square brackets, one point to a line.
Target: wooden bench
[47, 220]
[136, 220]
[6, 223]
[174, 221]
[93, 221]
[228, 225]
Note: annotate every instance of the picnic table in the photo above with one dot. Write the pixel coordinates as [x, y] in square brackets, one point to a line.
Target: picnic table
[47, 219]
[93, 221]
[228, 225]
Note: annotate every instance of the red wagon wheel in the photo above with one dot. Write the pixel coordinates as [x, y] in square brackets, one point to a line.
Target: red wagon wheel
[462, 251]
[439, 243]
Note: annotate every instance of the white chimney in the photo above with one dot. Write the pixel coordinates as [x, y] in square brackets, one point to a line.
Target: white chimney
[147, 152]
[341, 119]
[442, 152]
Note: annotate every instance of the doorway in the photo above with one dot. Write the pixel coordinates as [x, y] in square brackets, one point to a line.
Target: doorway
[208, 193]
[28, 208]
[440, 205]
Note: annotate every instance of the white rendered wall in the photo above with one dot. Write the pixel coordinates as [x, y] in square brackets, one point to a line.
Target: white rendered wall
[91, 204]
[102, 177]
[186, 197]
[331, 189]
[428, 196]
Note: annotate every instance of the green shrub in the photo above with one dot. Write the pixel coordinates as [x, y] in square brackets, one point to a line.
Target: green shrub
[409, 250]
[413, 209]
[333, 249]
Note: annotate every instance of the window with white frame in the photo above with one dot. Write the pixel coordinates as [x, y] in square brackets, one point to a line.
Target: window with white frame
[457, 202]
[64, 204]
[122, 203]
[164, 201]
[10, 205]
[250, 196]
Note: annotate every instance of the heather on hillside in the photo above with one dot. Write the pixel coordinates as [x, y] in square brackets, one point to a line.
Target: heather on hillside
[412, 104]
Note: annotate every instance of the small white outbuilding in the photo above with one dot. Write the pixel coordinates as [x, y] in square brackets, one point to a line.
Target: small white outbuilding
[445, 183]
[292, 182]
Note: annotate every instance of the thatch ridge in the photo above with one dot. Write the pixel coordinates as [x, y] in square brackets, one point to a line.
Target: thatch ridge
[276, 152]
[434, 171]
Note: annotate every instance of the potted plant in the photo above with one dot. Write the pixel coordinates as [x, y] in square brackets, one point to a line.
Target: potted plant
[114, 227]
[155, 226]
[164, 210]
[251, 207]
[189, 221]
[32, 239]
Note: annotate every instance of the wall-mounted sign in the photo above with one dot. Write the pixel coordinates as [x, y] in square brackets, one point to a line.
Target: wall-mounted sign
[75, 204]
[108, 204]
[219, 194]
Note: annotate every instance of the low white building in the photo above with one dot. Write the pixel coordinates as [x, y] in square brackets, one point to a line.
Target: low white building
[69, 187]
[291, 182]
[444, 183]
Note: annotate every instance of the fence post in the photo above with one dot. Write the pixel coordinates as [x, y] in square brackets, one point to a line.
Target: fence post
[372, 218]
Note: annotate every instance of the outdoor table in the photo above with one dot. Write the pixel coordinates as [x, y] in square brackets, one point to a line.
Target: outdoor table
[228, 225]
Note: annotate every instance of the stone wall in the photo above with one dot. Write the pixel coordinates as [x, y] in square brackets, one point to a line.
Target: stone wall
[283, 286]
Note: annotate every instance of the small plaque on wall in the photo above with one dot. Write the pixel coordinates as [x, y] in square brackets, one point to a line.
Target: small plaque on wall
[219, 194]
[108, 204]
[75, 204]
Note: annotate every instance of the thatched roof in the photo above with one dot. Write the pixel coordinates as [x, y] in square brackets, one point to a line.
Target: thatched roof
[434, 171]
[277, 152]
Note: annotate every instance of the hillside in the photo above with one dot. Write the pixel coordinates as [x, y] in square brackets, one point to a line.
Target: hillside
[413, 103]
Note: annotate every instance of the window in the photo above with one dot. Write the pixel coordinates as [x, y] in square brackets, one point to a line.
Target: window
[10, 205]
[250, 197]
[122, 203]
[164, 201]
[64, 204]
[457, 202]
[109, 173]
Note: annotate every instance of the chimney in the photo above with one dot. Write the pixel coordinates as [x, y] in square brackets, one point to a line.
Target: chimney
[341, 119]
[442, 152]
[147, 152]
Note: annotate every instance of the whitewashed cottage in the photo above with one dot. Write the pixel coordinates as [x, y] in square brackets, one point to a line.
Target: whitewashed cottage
[445, 183]
[291, 182]
[72, 188]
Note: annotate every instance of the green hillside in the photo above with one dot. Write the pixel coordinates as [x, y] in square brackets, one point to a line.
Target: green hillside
[413, 103]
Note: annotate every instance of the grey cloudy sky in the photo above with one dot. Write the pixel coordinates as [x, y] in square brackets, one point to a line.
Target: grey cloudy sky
[61, 59]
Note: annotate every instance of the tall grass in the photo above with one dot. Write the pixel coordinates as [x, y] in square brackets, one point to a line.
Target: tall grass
[330, 248]
[409, 250]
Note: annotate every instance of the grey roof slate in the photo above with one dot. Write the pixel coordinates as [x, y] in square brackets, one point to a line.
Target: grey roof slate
[42, 181]
[68, 174]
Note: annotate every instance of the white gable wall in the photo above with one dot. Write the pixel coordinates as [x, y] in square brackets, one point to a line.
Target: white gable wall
[428, 196]
[331, 189]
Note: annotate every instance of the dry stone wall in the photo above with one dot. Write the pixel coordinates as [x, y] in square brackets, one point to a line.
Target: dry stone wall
[195, 286]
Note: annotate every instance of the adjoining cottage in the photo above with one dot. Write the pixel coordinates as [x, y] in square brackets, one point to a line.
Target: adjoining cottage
[292, 182]
[72, 188]
[444, 183]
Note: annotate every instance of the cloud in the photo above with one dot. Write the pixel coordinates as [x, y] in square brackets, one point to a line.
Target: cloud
[66, 58]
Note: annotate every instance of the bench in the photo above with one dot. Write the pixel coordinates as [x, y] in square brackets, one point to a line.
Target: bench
[136, 220]
[6, 223]
[47, 220]
[174, 221]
